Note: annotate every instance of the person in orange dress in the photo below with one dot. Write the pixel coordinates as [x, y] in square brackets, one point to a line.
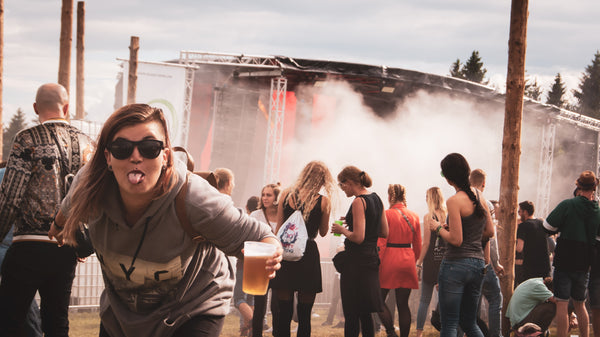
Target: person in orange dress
[398, 254]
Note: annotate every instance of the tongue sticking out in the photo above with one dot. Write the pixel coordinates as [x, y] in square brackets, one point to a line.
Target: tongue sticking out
[135, 177]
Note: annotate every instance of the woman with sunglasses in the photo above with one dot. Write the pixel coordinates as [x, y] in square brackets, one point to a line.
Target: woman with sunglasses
[159, 282]
[303, 276]
[359, 278]
[462, 269]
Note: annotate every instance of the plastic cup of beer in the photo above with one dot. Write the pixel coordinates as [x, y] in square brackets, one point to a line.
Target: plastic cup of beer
[256, 276]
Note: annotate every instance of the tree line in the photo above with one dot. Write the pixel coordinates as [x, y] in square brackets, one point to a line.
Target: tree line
[587, 95]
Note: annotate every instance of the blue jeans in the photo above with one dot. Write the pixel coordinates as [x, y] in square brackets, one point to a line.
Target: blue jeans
[426, 292]
[492, 293]
[460, 290]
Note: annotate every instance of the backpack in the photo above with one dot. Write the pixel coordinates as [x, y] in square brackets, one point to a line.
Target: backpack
[84, 246]
[293, 236]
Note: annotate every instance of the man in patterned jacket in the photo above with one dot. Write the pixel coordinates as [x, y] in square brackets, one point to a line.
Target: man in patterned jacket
[30, 194]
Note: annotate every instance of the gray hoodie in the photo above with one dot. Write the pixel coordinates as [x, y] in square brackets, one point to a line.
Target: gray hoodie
[156, 277]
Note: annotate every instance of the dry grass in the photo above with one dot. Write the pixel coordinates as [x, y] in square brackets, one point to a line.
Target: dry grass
[85, 324]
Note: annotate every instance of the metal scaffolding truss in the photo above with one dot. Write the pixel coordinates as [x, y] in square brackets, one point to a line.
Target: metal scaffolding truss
[196, 57]
[275, 129]
[545, 169]
[187, 102]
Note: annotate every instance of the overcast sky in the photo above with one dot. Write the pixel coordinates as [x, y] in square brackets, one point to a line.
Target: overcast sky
[422, 35]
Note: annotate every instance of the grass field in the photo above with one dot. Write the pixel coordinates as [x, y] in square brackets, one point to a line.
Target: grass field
[85, 324]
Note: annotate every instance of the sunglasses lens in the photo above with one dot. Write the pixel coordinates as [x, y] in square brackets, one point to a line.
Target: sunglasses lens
[150, 149]
[121, 149]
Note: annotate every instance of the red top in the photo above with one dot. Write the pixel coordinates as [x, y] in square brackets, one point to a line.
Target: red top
[398, 269]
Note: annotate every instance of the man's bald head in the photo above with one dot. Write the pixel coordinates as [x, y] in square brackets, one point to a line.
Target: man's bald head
[51, 101]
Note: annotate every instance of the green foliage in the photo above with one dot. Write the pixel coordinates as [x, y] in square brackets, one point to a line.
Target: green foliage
[588, 95]
[17, 123]
[471, 71]
[557, 92]
[455, 69]
[532, 89]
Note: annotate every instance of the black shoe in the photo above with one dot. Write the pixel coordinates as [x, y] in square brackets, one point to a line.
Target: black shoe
[326, 323]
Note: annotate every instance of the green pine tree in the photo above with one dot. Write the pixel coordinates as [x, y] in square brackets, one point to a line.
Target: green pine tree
[17, 123]
[588, 95]
[532, 89]
[473, 69]
[455, 69]
[557, 92]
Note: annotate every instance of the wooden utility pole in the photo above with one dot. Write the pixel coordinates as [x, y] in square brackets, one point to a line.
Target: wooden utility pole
[66, 37]
[80, 77]
[511, 146]
[134, 47]
[1, 72]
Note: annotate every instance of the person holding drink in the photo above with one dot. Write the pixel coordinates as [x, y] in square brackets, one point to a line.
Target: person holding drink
[159, 281]
[303, 276]
[359, 280]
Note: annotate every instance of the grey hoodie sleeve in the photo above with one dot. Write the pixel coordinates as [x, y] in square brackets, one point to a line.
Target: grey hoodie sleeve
[213, 215]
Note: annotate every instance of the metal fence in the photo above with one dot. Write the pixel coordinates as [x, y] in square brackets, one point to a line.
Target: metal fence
[88, 284]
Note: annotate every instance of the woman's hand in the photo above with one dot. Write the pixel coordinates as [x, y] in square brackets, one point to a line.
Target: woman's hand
[56, 233]
[337, 228]
[433, 225]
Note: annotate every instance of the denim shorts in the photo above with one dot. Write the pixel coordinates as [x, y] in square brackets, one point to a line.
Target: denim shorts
[570, 284]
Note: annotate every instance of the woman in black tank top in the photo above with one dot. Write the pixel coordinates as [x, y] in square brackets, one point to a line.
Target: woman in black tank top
[462, 269]
[359, 279]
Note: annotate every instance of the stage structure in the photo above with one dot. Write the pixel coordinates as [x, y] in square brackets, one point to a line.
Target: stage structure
[238, 111]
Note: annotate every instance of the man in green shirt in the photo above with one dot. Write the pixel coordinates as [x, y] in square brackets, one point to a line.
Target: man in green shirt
[577, 220]
[532, 302]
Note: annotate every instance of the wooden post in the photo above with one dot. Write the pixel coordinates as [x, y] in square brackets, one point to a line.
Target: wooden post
[133, 62]
[66, 37]
[80, 76]
[511, 146]
[1, 72]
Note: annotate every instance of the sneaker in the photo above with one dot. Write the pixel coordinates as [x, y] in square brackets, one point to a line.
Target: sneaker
[339, 325]
[326, 323]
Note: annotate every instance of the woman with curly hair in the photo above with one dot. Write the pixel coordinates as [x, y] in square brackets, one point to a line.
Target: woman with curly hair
[463, 266]
[359, 280]
[303, 276]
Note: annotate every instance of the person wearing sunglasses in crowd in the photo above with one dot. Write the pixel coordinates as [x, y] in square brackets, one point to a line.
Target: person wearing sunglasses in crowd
[159, 282]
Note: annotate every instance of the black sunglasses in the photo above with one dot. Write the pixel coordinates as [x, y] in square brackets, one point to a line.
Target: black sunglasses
[123, 148]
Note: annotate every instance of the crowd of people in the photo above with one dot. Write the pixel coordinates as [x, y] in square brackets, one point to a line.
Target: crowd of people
[163, 236]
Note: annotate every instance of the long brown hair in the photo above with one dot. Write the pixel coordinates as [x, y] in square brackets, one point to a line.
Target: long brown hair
[276, 190]
[94, 183]
[314, 177]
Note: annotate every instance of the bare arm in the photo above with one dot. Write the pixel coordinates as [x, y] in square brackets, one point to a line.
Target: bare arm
[426, 238]
[325, 211]
[358, 213]
[385, 228]
[520, 245]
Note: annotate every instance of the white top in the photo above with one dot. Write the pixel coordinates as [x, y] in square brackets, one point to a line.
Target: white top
[259, 215]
